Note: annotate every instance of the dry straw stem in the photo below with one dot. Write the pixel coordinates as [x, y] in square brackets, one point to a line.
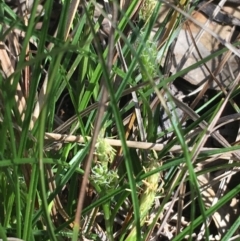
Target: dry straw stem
[132, 144]
[13, 239]
[7, 68]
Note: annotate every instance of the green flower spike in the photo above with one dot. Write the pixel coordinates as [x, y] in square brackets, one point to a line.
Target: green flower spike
[147, 9]
[147, 199]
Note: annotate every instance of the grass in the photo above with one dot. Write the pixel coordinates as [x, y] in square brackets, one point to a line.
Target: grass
[82, 154]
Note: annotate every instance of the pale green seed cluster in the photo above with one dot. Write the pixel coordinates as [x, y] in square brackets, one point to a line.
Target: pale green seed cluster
[104, 151]
[147, 9]
[148, 58]
[149, 192]
[101, 175]
[147, 197]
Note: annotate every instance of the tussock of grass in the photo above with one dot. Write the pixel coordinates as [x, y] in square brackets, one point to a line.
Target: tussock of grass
[85, 152]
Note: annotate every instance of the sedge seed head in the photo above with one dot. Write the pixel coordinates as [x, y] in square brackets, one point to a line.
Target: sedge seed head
[148, 57]
[147, 9]
[106, 179]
